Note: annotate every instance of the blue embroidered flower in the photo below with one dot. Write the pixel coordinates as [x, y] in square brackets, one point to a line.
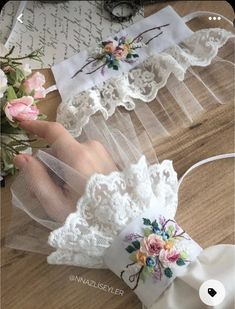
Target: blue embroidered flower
[156, 230]
[165, 236]
[150, 261]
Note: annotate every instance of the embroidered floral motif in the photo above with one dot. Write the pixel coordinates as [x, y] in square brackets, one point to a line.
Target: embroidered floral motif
[157, 252]
[110, 53]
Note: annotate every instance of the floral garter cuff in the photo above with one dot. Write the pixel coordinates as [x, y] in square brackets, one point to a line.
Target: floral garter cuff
[116, 55]
[149, 253]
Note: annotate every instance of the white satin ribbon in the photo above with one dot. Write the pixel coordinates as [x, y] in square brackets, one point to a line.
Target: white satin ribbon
[210, 159]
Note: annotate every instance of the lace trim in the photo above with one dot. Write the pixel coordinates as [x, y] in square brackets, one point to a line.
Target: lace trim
[142, 82]
[107, 206]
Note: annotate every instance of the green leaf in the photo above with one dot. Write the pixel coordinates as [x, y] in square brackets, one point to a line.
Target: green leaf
[11, 77]
[20, 93]
[168, 272]
[180, 262]
[146, 221]
[132, 257]
[115, 67]
[6, 158]
[136, 244]
[11, 95]
[171, 230]
[147, 232]
[144, 273]
[116, 62]
[183, 255]
[19, 75]
[21, 148]
[32, 93]
[135, 55]
[9, 129]
[14, 124]
[14, 143]
[130, 249]
[154, 223]
[128, 56]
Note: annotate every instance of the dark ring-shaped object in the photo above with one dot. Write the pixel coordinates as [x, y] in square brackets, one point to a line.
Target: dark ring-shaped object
[110, 5]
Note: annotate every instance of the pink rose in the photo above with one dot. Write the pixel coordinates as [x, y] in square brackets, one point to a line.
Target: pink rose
[35, 83]
[121, 52]
[152, 244]
[21, 109]
[168, 257]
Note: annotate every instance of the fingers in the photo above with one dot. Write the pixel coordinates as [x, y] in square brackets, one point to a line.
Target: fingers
[64, 146]
[49, 195]
[51, 131]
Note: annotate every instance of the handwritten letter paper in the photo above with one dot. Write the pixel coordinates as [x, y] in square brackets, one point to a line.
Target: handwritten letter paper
[62, 29]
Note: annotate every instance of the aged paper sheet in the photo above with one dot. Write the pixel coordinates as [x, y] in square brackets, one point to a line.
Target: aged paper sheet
[61, 29]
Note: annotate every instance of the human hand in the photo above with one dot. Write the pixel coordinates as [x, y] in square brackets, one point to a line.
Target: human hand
[85, 158]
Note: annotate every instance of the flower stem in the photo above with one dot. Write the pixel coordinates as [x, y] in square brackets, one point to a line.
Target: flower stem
[103, 65]
[11, 149]
[148, 30]
[80, 70]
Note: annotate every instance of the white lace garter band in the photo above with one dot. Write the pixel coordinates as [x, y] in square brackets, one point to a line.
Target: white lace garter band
[132, 67]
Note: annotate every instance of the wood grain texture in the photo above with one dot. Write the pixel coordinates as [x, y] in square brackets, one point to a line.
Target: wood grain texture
[206, 204]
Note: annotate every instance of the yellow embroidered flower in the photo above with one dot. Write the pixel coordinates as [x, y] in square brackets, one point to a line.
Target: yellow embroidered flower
[168, 245]
[140, 257]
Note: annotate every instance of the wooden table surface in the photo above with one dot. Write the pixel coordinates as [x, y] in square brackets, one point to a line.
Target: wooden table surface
[206, 204]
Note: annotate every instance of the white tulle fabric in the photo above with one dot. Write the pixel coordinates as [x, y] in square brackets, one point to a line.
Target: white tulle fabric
[142, 83]
[107, 206]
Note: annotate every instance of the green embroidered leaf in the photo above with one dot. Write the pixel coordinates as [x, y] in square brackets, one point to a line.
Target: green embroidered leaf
[129, 56]
[144, 274]
[130, 249]
[136, 244]
[115, 67]
[183, 255]
[147, 232]
[132, 257]
[180, 262]
[171, 230]
[168, 272]
[135, 55]
[154, 223]
[116, 62]
[146, 221]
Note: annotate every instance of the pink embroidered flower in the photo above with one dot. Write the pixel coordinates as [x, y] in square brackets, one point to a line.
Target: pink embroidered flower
[35, 83]
[152, 244]
[168, 257]
[121, 52]
[21, 109]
